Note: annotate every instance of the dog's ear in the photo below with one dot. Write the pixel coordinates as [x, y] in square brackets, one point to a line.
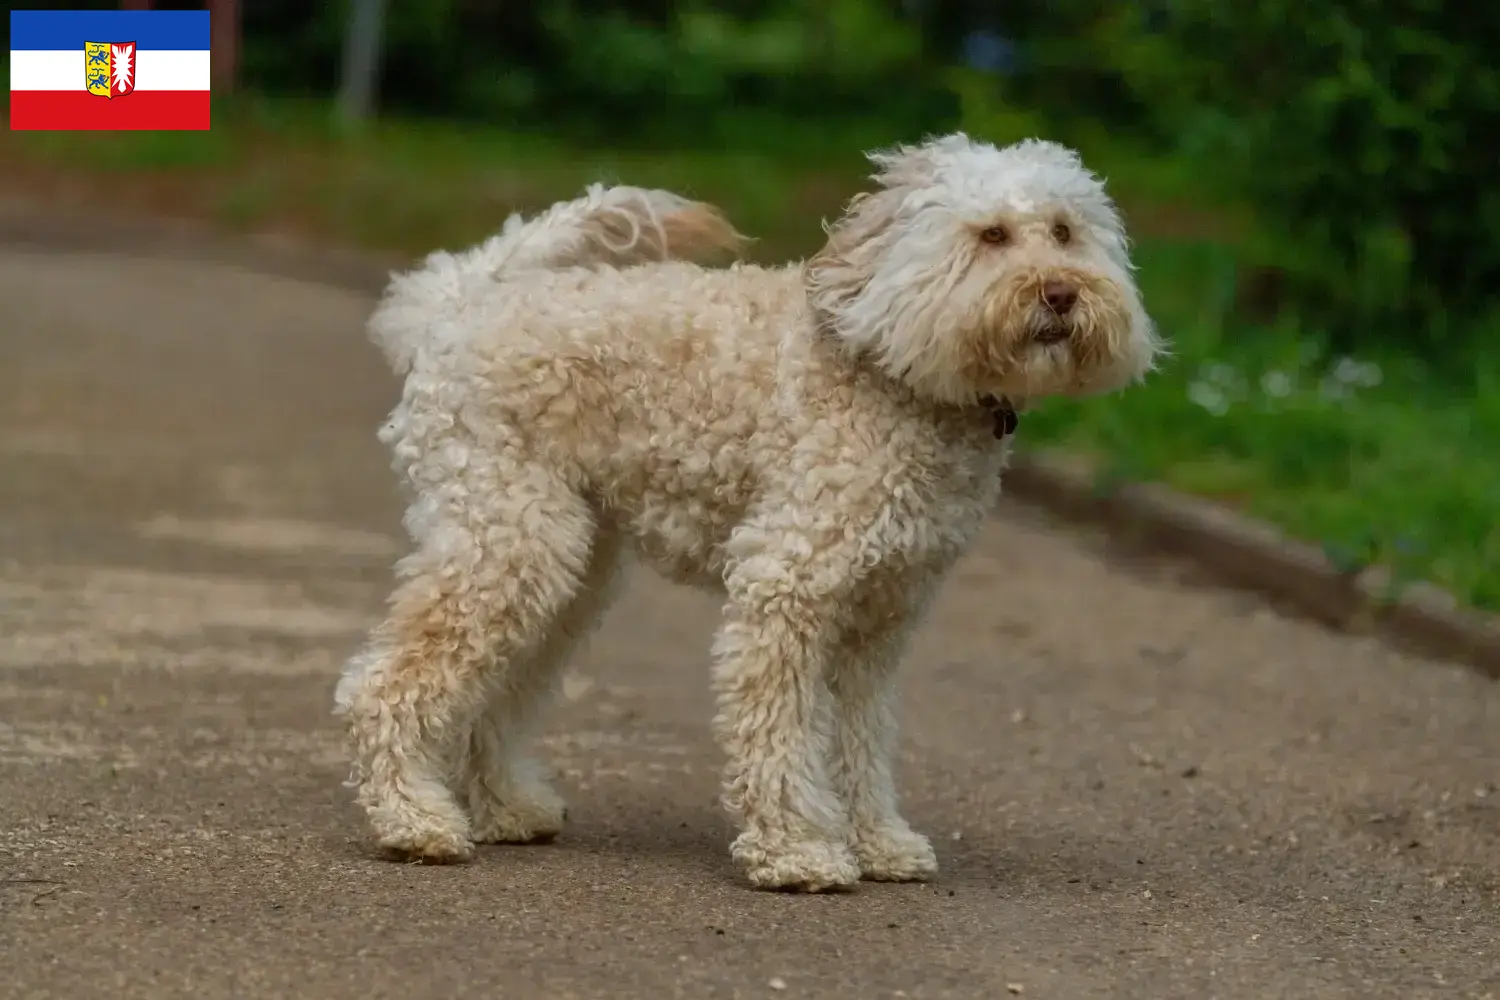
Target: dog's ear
[916, 166]
[836, 275]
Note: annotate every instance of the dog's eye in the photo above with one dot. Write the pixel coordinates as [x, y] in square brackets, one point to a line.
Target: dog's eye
[995, 234]
[1061, 233]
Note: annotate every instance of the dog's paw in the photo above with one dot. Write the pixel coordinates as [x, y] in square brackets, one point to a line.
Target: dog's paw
[803, 866]
[895, 854]
[536, 818]
[431, 845]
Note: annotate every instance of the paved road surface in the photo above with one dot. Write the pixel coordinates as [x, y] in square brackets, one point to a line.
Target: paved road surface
[1139, 786]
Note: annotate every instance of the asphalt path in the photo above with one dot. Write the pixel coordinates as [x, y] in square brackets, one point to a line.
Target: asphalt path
[1139, 785]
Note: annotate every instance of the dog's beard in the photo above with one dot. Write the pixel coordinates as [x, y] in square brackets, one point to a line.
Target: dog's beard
[960, 341]
[1023, 349]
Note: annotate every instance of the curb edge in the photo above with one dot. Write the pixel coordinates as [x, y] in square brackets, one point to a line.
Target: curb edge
[1255, 556]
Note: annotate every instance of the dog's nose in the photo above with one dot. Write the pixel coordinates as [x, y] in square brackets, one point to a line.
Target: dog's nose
[1060, 296]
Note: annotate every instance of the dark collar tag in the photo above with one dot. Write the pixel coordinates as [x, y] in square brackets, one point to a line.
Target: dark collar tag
[1004, 416]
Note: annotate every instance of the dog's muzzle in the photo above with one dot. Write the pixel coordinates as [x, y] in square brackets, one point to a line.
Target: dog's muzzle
[1058, 297]
[1053, 333]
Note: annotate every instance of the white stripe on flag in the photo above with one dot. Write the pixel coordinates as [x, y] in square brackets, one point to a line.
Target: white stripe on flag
[156, 69]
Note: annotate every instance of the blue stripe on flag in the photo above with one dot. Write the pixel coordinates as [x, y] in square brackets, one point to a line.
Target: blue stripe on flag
[54, 30]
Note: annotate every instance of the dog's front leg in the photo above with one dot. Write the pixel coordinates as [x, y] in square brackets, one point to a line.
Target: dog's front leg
[862, 682]
[770, 657]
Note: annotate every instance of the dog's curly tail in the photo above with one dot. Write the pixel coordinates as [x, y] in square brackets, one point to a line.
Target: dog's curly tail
[606, 227]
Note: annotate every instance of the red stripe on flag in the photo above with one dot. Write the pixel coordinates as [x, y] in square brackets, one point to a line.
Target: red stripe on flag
[78, 110]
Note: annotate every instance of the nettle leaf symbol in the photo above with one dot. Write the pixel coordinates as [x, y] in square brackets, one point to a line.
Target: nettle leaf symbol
[122, 66]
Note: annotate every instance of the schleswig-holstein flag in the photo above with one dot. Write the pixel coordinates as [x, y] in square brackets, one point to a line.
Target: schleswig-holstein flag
[109, 69]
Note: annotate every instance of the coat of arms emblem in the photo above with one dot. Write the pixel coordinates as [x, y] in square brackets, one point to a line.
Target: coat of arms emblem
[109, 68]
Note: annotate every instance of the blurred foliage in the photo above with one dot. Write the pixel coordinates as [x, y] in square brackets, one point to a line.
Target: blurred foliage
[643, 71]
[1356, 129]
[1356, 133]
[1353, 129]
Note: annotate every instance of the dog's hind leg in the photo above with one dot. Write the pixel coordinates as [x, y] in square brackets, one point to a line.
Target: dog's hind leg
[862, 682]
[502, 554]
[509, 797]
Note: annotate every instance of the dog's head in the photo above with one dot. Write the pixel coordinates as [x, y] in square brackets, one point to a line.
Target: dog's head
[974, 271]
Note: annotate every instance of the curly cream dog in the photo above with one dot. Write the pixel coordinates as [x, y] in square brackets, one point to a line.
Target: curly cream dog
[816, 442]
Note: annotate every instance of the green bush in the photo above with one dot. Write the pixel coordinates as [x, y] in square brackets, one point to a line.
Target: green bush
[638, 71]
[1367, 152]
[1358, 130]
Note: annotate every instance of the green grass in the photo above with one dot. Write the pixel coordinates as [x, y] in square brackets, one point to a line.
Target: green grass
[1399, 472]
[410, 186]
[1373, 458]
